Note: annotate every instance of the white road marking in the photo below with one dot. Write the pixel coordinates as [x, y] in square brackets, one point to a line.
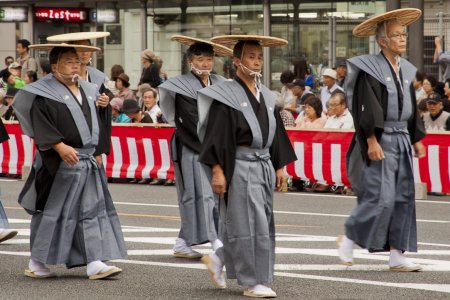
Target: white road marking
[145, 204]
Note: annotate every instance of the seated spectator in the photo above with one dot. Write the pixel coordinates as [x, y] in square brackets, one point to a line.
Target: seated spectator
[131, 109]
[422, 107]
[9, 114]
[341, 72]
[12, 81]
[446, 98]
[429, 84]
[313, 115]
[299, 92]
[140, 93]
[151, 107]
[8, 61]
[417, 83]
[122, 85]
[30, 77]
[286, 116]
[117, 115]
[329, 86]
[340, 115]
[286, 78]
[116, 70]
[15, 69]
[436, 118]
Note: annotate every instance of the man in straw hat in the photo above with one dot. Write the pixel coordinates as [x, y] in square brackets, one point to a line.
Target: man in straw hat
[74, 221]
[245, 143]
[382, 101]
[95, 76]
[198, 206]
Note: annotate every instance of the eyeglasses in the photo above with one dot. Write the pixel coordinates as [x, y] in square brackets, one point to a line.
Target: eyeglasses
[334, 104]
[397, 36]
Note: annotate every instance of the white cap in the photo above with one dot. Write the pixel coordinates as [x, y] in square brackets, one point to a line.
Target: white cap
[330, 73]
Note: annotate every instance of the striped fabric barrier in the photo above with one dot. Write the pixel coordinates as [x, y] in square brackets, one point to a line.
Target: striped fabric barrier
[143, 151]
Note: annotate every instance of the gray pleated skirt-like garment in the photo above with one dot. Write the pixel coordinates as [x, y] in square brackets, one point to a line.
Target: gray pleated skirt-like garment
[3, 218]
[197, 203]
[79, 223]
[385, 215]
[247, 229]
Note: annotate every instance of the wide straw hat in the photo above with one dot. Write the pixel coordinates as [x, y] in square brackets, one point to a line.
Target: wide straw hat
[49, 47]
[188, 41]
[77, 36]
[405, 16]
[264, 41]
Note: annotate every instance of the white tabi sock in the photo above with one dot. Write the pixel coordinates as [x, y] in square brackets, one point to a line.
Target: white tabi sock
[34, 266]
[216, 244]
[396, 258]
[345, 250]
[96, 267]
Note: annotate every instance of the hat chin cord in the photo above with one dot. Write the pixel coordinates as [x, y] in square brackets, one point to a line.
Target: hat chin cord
[200, 72]
[255, 74]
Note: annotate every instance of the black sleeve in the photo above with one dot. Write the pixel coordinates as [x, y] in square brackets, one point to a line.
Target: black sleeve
[104, 116]
[447, 124]
[219, 145]
[105, 90]
[43, 120]
[281, 151]
[150, 75]
[3, 133]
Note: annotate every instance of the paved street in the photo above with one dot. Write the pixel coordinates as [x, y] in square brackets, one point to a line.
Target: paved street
[306, 263]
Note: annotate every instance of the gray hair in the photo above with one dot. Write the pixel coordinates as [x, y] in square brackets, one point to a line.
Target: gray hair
[381, 30]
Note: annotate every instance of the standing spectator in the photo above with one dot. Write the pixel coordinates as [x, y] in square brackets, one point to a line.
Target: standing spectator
[30, 76]
[45, 67]
[329, 86]
[27, 62]
[441, 57]
[301, 72]
[341, 72]
[122, 85]
[418, 86]
[159, 63]
[436, 118]
[286, 78]
[150, 73]
[116, 70]
[8, 61]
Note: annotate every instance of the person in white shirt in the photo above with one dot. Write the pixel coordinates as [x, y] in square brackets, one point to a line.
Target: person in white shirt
[340, 115]
[329, 86]
[150, 107]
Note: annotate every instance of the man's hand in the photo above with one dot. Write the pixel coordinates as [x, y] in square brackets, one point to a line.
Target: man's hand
[375, 151]
[218, 181]
[419, 150]
[67, 153]
[281, 182]
[437, 41]
[99, 160]
[102, 100]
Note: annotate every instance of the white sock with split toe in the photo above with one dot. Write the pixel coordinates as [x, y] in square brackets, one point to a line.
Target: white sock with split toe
[396, 258]
[216, 244]
[96, 267]
[34, 266]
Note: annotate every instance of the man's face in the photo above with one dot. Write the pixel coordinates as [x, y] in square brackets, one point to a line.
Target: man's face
[84, 56]
[67, 66]
[15, 72]
[328, 81]
[341, 71]
[9, 61]
[252, 58]
[149, 99]
[202, 62]
[396, 38]
[335, 106]
[21, 49]
[434, 107]
[297, 91]
[11, 80]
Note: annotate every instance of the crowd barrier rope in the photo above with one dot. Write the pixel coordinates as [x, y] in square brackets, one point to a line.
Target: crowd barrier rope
[143, 151]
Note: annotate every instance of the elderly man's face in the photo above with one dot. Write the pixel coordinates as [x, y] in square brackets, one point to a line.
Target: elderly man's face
[328, 81]
[335, 106]
[434, 107]
[396, 38]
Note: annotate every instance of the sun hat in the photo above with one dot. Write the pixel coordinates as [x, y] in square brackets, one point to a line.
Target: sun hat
[405, 16]
[188, 41]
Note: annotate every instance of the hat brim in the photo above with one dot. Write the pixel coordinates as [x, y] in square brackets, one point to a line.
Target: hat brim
[77, 36]
[49, 47]
[188, 41]
[264, 41]
[405, 16]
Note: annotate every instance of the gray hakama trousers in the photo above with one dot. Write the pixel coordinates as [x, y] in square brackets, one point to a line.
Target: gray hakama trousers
[385, 215]
[3, 218]
[196, 200]
[247, 229]
[79, 223]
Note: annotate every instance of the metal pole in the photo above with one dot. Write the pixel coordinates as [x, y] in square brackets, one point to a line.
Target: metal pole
[143, 24]
[415, 42]
[267, 74]
[392, 4]
[330, 42]
[441, 35]
[334, 42]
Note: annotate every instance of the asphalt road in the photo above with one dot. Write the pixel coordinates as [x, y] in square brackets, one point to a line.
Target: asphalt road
[306, 262]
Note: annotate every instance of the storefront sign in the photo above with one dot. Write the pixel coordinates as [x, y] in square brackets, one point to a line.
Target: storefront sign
[70, 15]
[105, 15]
[13, 14]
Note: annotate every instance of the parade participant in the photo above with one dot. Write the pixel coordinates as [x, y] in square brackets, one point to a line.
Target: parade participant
[74, 221]
[246, 145]
[383, 105]
[5, 232]
[178, 101]
[93, 75]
